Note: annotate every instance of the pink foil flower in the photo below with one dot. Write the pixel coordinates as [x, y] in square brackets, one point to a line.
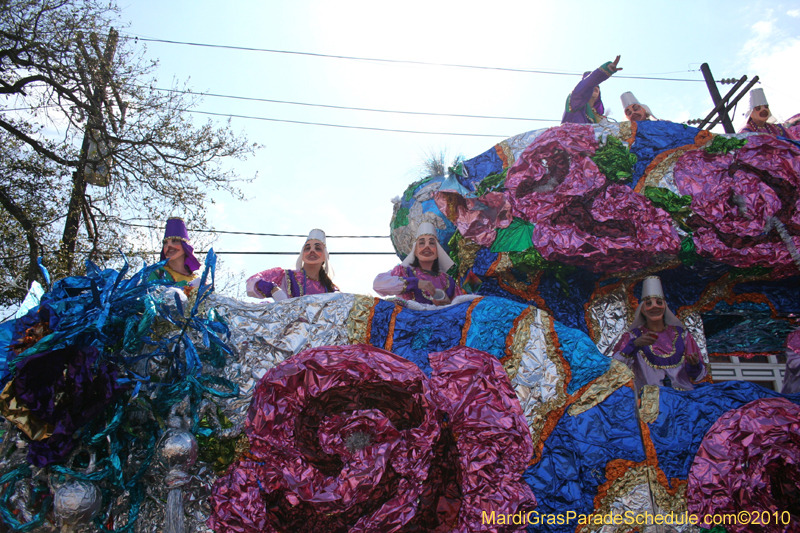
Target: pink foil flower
[581, 218]
[734, 195]
[354, 438]
[552, 171]
[748, 465]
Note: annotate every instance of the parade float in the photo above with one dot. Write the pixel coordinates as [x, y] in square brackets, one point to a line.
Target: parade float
[131, 405]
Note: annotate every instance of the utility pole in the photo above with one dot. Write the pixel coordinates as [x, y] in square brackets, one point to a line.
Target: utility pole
[722, 105]
[92, 134]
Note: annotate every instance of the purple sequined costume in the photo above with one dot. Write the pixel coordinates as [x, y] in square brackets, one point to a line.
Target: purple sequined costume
[402, 281]
[577, 109]
[665, 358]
[293, 282]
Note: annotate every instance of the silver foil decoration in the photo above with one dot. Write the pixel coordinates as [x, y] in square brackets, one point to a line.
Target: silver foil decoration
[176, 455]
[610, 313]
[75, 503]
[537, 380]
[264, 334]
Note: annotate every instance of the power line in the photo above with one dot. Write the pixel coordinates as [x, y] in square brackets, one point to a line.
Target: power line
[396, 61]
[263, 234]
[352, 108]
[344, 126]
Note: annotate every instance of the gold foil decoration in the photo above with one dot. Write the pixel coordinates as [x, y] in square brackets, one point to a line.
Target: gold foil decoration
[19, 414]
[618, 375]
[358, 319]
[648, 409]
[520, 334]
[467, 250]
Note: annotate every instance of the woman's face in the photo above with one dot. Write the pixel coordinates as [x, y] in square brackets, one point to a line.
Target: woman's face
[635, 112]
[760, 114]
[173, 249]
[426, 248]
[654, 308]
[313, 252]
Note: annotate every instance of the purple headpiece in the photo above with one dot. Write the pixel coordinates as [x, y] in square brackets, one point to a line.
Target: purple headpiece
[598, 105]
[176, 229]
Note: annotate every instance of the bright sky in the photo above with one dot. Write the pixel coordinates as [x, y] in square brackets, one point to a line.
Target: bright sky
[342, 180]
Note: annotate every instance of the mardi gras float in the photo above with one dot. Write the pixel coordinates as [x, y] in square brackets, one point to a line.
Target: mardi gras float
[131, 405]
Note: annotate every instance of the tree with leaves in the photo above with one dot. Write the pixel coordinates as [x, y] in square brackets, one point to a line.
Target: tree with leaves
[88, 143]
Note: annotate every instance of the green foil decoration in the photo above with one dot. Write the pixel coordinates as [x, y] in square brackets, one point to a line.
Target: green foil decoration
[531, 261]
[217, 452]
[515, 238]
[400, 219]
[614, 160]
[723, 145]
[453, 244]
[677, 206]
[688, 254]
[492, 182]
[749, 272]
[413, 187]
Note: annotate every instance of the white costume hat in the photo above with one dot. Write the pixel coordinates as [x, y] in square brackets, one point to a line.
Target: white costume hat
[651, 286]
[757, 97]
[628, 99]
[319, 235]
[426, 228]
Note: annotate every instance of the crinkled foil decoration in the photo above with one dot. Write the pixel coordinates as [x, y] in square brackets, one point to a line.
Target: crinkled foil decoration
[353, 438]
[518, 143]
[637, 492]
[403, 237]
[663, 174]
[627, 493]
[648, 404]
[20, 415]
[618, 375]
[749, 461]
[694, 323]
[539, 378]
[265, 334]
[734, 195]
[609, 315]
[358, 320]
[624, 132]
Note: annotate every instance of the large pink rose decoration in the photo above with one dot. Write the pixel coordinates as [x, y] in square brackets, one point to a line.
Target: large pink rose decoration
[734, 195]
[354, 438]
[581, 218]
[552, 171]
[748, 465]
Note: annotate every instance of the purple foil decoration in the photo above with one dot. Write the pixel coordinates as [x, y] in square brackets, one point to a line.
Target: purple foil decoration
[66, 388]
[552, 171]
[735, 194]
[749, 464]
[581, 218]
[476, 218]
[354, 438]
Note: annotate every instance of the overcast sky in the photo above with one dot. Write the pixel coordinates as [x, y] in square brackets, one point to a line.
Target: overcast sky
[342, 179]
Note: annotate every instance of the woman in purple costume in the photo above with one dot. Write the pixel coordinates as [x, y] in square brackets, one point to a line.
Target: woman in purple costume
[312, 275]
[422, 276]
[584, 105]
[759, 115]
[657, 347]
